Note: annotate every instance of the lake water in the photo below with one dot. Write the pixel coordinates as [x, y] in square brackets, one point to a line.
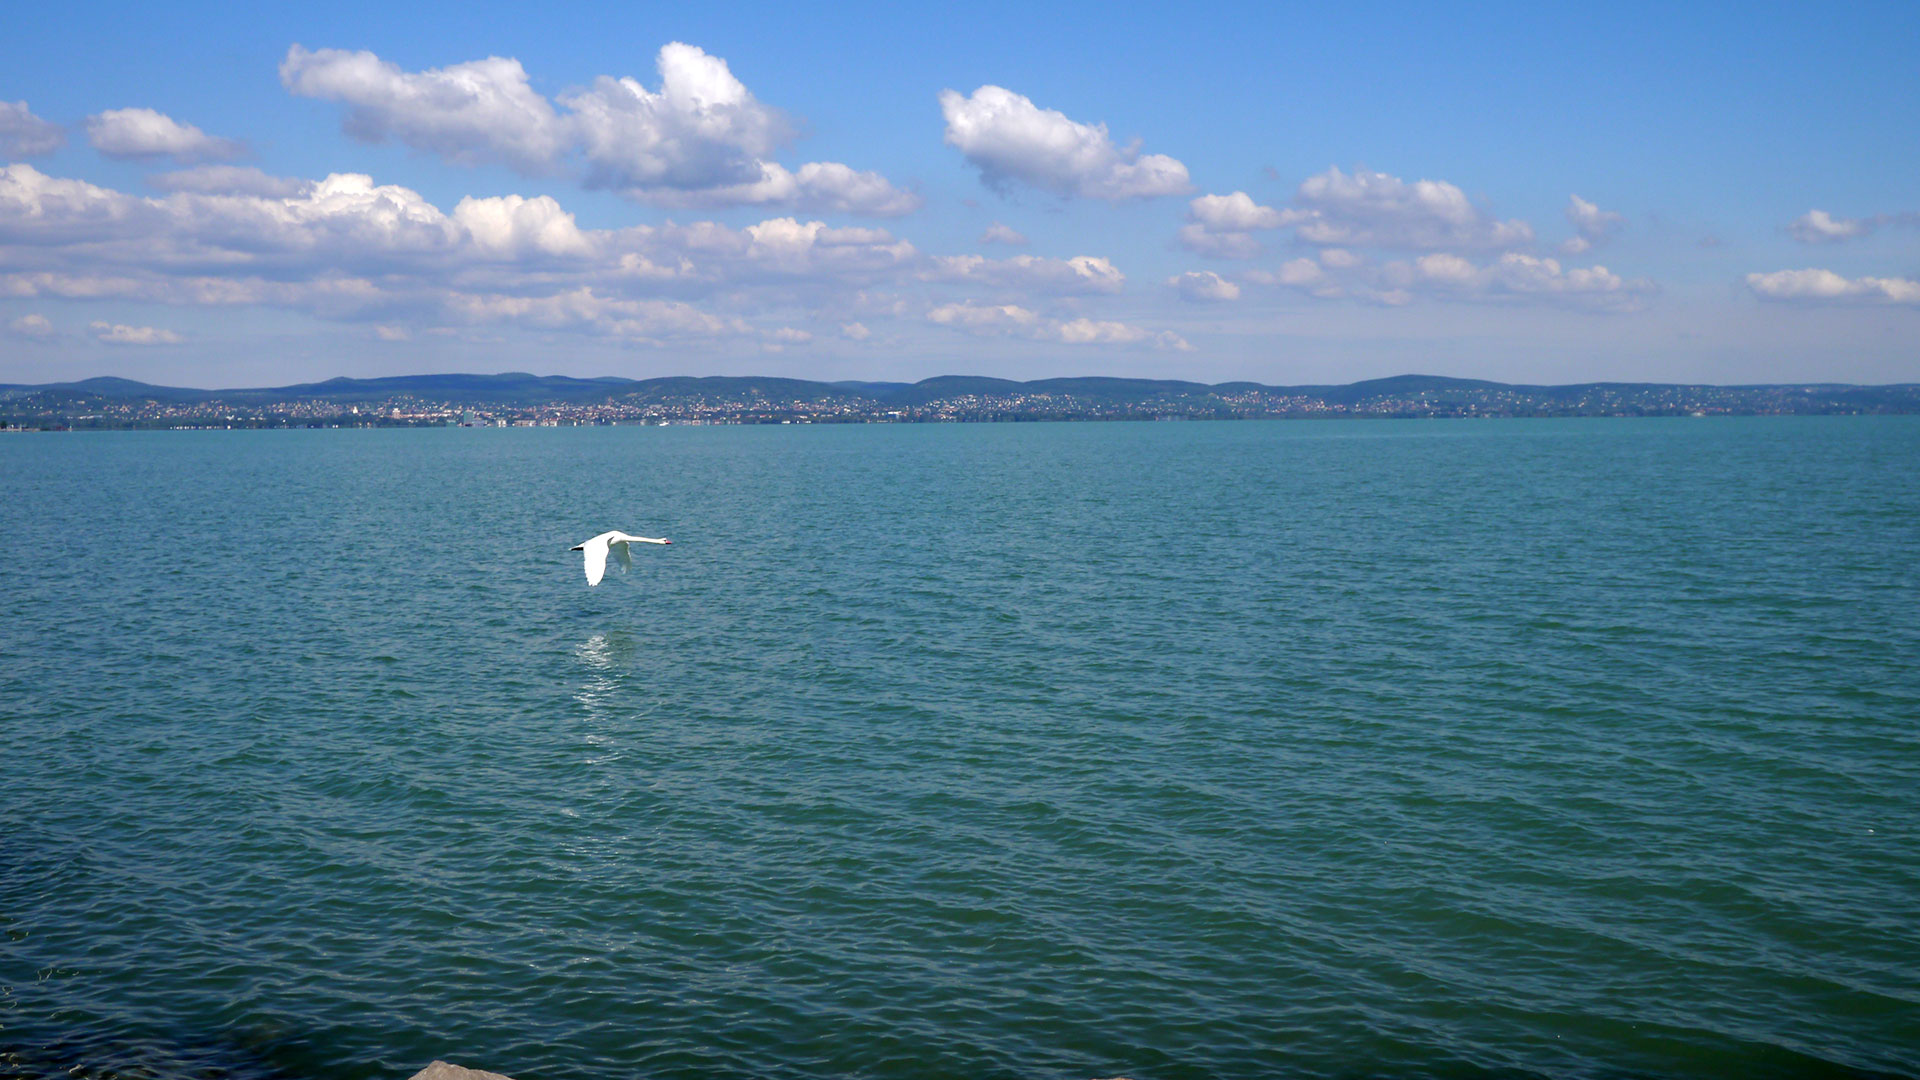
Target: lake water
[1459, 749]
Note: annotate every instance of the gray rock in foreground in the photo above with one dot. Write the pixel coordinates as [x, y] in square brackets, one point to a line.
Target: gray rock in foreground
[441, 1070]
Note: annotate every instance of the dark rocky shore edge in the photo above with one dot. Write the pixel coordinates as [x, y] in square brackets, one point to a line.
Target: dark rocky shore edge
[441, 1070]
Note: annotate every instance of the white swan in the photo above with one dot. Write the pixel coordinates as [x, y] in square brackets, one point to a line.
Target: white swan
[596, 552]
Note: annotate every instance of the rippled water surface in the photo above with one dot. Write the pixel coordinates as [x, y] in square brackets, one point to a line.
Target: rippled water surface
[1454, 749]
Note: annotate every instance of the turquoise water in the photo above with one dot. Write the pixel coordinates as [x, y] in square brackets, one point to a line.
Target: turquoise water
[1456, 749]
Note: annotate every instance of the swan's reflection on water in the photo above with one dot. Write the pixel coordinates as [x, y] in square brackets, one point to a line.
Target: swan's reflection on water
[607, 652]
[603, 695]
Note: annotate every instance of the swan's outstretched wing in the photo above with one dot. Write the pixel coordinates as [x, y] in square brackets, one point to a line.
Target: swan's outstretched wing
[596, 553]
[620, 552]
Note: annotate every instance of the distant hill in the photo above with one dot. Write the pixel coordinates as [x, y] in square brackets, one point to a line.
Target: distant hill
[115, 401]
[507, 388]
[522, 388]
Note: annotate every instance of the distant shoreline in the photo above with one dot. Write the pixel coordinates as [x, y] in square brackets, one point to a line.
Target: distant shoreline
[518, 399]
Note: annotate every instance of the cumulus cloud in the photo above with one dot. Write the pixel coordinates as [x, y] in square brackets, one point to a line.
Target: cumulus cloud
[984, 317]
[1081, 275]
[348, 222]
[1820, 227]
[1015, 320]
[702, 139]
[1813, 286]
[651, 321]
[1515, 276]
[347, 248]
[24, 135]
[511, 226]
[818, 186]
[701, 129]
[1296, 274]
[1084, 331]
[121, 334]
[470, 113]
[229, 180]
[1336, 209]
[32, 327]
[1009, 138]
[1592, 225]
[144, 133]
[792, 247]
[1196, 238]
[1235, 213]
[1373, 209]
[1204, 286]
[36, 207]
[1000, 234]
[1222, 226]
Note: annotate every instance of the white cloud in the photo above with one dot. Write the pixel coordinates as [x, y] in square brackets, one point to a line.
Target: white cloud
[702, 139]
[983, 317]
[121, 334]
[1824, 286]
[1296, 274]
[33, 327]
[1592, 225]
[1100, 332]
[1009, 138]
[818, 186]
[144, 133]
[1515, 276]
[789, 246]
[229, 180]
[702, 129]
[1339, 258]
[470, 113]
[1230, 245]
[1204, 286]
[23, 134]
[1820, 227]
[647, 320]
[350, 249]
[510, 226]
[1363, 209]
[1014, 320]
[1371, 209]
[1235, 213]
[38, 207]
[1000, 234]
[1081, 275]
[1222, 226]
[347, 223]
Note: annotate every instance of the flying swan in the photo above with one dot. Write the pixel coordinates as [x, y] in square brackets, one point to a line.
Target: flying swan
[596, 552]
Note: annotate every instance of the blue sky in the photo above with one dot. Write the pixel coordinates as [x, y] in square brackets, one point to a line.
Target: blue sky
[1540, 193]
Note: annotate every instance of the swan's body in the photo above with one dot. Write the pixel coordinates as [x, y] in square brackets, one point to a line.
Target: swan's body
[597, 548]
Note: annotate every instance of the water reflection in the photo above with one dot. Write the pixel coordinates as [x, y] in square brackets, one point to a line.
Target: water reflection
[607, 652]
[609, 692]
